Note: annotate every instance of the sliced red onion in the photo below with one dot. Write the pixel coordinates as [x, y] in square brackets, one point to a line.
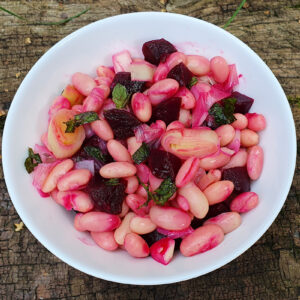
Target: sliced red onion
[88, 130]
[236, 142]
[59, 103]
[232, 79]
[147, 134]
[86, 164]
[45, 154]
[176, 234]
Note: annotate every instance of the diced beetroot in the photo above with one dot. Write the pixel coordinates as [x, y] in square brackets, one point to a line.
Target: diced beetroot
[214, 210]
[156, 51]
[163, 164]
[121, 78]
[240, 178]
[167, 111]
[243, 102]
[121, 122]
[107, 197]
[181, 73]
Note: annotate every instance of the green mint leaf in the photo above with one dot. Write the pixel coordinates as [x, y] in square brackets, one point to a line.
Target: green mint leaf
[32, 160]
[223, 114]
[94, 152]
[141, 154]
[165, 191]
[193, 81]
[120, 96]
[80, 119]
[112, 181]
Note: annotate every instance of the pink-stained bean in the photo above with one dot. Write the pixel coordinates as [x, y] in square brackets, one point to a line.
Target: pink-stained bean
[169, 218]
[175, 125]
[182, 203]
[244, 202]
[59, 103]
[187, 98]
[201, 172]
[185, 117]
[256, 122]
[255, 162]
[161, 72]
[142, 71]
[202, 239]
[125, 210]
[102, 129]
[154, 182]
[219, 68]
[136, 202]
[124, 228]
[94, 101]
[235, 144]
[198, 65]
[76, 200]
[118, 151]
[211, 177]
[105, 240]
[142, 225]
[249, 138]
[117, 170]
[133, 145]
[218, 191]
[141, 107]
[74, 180]
[228, 221]
[143, 172]
[237, 160]
[77, 223]
[197, 200]
[77, 108]
[226, 134]
[103, 71]
[174, 59]
[187, 171]
[58, 171]
[162, 90]
[99, 221]
[103, 81]
[215, 161]
[141, 191]
[184, 143]
[136, 246]
[132, 184]
[163, 250]
[122, 61]
[241, 121]
[83, 83]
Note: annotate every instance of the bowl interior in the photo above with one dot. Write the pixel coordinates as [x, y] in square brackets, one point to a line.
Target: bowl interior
[92, 46]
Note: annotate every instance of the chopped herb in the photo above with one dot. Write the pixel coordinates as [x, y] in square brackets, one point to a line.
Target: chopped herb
[193, 81]
[141, 154]
[223, 114]
[112, 181]
[94, 152]
[32, 160]
[80, 119]
[234, 14]
[120, 96]
[161, 195]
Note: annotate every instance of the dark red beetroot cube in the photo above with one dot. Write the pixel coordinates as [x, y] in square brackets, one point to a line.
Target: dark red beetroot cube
[163, 164]
[181, 73]
[107, 197]
[122, 78]
[243, 102]
[240, 178]
[167, 111]
[121, 122]
[157, 50]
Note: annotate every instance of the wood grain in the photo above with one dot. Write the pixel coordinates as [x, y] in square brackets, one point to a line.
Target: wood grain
[268, 270]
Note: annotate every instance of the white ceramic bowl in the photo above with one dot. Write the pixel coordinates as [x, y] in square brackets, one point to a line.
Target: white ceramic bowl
[93, 45]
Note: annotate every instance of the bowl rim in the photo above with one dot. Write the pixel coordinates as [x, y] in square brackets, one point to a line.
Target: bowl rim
[104, 274]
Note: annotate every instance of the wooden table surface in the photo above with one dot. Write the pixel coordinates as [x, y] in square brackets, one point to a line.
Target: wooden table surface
[268, 270]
